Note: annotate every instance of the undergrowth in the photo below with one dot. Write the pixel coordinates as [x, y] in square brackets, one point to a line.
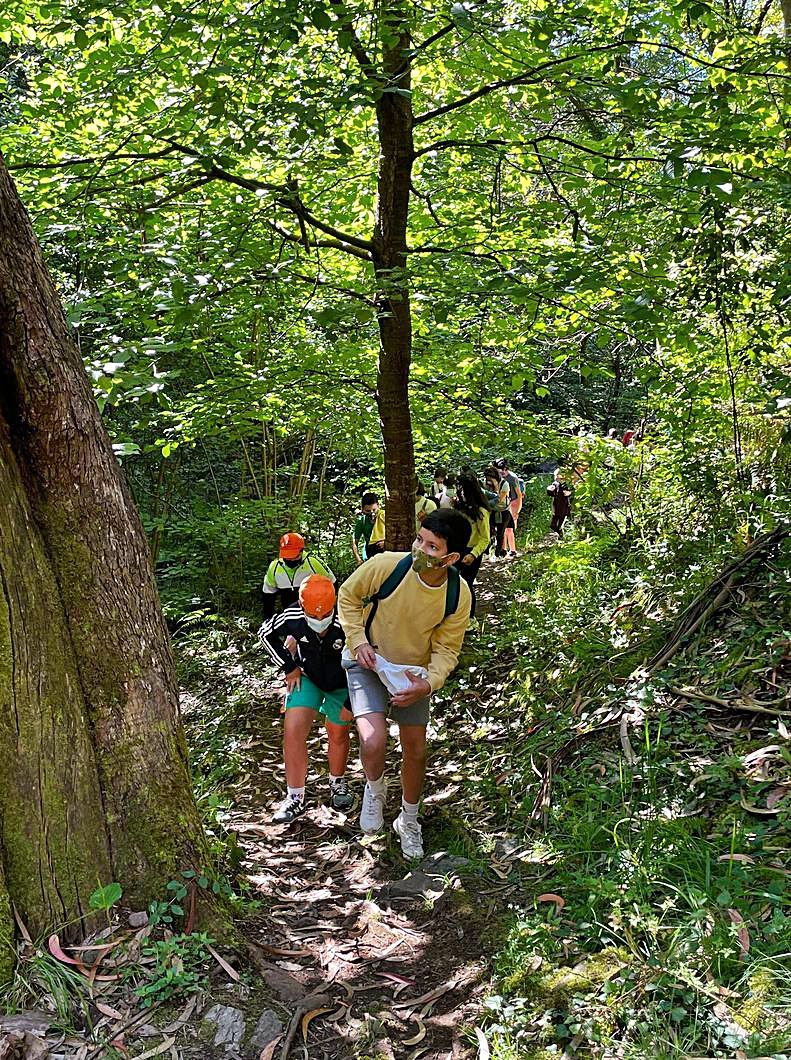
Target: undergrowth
[651, 910]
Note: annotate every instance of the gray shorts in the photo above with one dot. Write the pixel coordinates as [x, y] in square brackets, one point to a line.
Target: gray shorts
[368, 695]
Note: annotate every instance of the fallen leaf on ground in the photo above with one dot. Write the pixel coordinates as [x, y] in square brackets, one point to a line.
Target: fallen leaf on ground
[742, 934]
[269, 1049]
[108, 1010]
[306, 1019]
[55, 949]
[549, 897]
[278, 951]
[776, 795]
[432, 995]
[756, 809]
[232, 972]
[158, 1050]
[421, 1034]
[483, 1045]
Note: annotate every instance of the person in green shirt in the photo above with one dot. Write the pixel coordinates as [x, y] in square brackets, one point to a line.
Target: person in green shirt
[286, 573]
[364, 526]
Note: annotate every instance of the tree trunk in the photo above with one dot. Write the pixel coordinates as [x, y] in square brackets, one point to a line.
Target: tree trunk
[95, 782]
[396, 156]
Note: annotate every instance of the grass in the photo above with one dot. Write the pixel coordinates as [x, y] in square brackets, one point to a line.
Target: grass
[674, 936]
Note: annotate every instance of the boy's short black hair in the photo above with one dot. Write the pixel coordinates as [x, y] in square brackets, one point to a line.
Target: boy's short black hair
[369, 498]
[501, 464]
[440, 472]
[451, 526]
[420, 489]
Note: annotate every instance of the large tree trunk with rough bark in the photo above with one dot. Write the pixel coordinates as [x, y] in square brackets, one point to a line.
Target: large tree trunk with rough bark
[396, 156]
[94, 783]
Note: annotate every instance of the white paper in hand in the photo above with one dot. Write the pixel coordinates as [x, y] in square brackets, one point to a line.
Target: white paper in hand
[394, 675]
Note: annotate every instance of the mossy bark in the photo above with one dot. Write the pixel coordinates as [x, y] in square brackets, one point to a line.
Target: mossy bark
[95, 781]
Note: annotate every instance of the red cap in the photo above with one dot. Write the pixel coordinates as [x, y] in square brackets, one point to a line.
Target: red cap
[291, 545]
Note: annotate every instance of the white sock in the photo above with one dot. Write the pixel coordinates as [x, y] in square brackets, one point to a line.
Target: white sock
[377, 786]
[409, 809]
[334, 780]
[297, 793]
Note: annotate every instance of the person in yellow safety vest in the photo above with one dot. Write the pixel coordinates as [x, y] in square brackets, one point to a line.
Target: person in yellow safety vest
[286, 573]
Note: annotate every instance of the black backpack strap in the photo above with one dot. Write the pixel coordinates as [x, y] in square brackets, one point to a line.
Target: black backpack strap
[387, 588]
[452, 592]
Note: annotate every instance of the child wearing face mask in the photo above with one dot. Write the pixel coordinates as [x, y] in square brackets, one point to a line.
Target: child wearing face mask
[316, 688]
[286, 573]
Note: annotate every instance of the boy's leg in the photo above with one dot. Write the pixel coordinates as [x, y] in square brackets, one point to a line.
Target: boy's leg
[302, 706]
[413, 774]
[369, 700]
[413, 761]
[372, 731]
[295, 747]
[333, 708]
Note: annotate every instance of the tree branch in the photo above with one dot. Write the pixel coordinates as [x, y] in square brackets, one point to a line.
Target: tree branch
[520, 79]
[355, 46]
[530, 76]
[329, 244]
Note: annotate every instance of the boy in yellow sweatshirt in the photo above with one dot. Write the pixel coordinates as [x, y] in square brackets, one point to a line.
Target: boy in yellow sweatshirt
[411, 611]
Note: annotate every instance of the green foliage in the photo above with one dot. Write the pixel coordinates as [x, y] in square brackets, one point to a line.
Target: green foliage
[180, 967]
[105, 897]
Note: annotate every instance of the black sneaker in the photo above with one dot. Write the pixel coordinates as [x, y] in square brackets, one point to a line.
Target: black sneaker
[289, 810]
[340, 796]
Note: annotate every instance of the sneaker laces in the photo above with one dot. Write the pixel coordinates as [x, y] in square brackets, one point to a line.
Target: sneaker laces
[411, 827]
[340, 786]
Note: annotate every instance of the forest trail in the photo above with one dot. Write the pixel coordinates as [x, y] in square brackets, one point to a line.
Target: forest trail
[396, 954]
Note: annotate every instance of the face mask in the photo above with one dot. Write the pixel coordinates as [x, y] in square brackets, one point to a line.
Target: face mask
[318, 625]
[370, 516]
[421, 562]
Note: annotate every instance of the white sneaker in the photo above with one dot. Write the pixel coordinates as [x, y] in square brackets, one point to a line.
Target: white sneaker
[372, 814]
[411, 835]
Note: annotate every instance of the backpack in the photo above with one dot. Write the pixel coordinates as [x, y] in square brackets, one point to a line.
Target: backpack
[394, 579]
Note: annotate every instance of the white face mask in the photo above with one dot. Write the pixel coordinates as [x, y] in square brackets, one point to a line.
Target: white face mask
[318, 625]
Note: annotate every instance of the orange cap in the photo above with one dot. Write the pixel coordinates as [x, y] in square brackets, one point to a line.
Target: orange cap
[291, 545]
[317, 596]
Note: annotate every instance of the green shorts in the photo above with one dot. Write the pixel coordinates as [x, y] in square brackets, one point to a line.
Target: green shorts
[329, 704]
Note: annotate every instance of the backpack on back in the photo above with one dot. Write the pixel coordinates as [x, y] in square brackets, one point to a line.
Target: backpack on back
[394, 579]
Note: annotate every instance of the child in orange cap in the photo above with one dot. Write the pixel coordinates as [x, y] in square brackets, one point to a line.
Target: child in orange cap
[286, 573]
[316, 685]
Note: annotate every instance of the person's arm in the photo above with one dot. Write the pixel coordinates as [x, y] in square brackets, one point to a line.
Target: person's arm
[274, 633]
[351, 609]
[519, 490]
[447, 639]
[270, 590]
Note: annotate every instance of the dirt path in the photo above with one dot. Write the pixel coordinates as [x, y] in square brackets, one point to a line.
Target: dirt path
[400, 956]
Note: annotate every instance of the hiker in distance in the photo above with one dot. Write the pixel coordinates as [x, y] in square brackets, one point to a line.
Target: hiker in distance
[404, 615]
[316, 688]
[286, 573]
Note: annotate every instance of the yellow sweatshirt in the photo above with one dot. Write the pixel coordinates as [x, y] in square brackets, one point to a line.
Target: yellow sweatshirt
[409, 626]
[479, 538]
[378, 530]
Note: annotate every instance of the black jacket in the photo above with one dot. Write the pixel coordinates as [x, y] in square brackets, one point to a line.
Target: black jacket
[318, 657]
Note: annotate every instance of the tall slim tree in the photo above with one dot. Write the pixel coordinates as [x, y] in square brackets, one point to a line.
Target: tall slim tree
[94, 783]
